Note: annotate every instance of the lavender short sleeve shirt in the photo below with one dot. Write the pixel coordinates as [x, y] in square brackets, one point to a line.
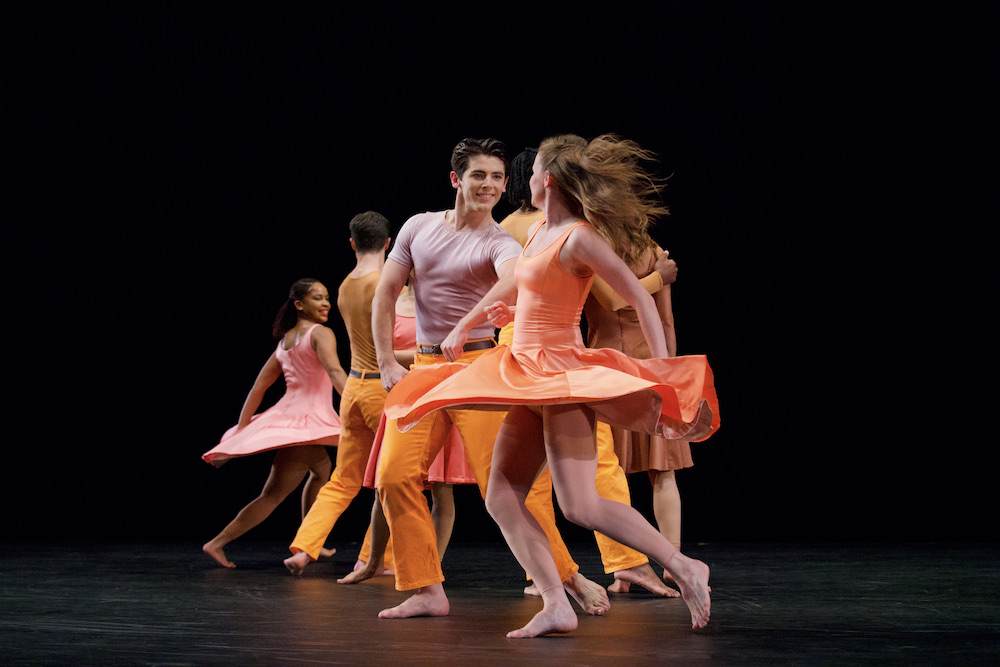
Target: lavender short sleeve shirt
[453, 271]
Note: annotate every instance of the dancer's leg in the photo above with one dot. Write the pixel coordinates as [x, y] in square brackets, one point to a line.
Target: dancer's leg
[379, 539]
[443, 513]
[320, 468]
[571, 451]
[290, 466]
[518, 457]
[667, 505]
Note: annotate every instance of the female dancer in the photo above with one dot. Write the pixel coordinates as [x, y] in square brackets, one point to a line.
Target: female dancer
[303, 417]
[557, 388]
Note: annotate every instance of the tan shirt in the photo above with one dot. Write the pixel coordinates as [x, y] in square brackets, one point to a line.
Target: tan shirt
[354, 300]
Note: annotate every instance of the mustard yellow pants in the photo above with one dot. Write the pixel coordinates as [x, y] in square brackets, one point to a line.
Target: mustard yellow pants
[361, 408]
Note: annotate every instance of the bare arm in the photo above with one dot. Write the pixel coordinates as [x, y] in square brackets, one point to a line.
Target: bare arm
[404, 357]
[610, 300]
[666, 311]
[664, 273]
[504, 290]
[325, 343]
[389, 286]
[585, 250]
[267, 376]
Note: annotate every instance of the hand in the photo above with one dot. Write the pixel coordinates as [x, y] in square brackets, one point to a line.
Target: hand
[666, 267]
[392, 374]
[499, 313]
[452, 346]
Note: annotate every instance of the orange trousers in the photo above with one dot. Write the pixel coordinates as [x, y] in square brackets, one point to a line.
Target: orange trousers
[406, 458]
[361, 407]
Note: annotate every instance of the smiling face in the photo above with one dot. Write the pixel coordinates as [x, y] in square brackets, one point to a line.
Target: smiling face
[480, 187]
[315, 307]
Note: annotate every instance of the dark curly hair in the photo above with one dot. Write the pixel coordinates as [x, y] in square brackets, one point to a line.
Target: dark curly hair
[518, 191]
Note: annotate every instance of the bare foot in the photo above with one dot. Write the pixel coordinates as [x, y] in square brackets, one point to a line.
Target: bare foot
[360, 572]
[552, 618]
[692, 577]
[619, 587]
[644, 576]
[532, 590]
[326, 553]
[297, 563]
[360, 565]
[426, 601]
[591, 597]
[217, 554]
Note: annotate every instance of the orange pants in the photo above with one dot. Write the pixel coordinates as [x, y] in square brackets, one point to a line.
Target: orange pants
[406, 458]
[361, 408]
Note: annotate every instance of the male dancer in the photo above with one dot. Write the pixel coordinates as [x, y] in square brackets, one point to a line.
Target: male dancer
[461, 261]
[363, 398]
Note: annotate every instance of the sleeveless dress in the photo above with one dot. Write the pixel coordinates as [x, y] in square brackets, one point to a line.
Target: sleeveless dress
[303, 416]
[620, 330]
[547, 364]
[450, 465]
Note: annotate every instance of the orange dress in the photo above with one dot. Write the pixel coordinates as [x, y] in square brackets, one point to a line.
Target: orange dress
[547, 364]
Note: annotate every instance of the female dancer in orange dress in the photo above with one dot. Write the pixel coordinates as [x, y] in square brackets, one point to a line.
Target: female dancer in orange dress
[556, 388]
[300, 425]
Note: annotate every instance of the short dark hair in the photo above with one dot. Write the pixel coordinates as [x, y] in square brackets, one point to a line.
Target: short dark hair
[518, 191]
[469, 148]
[369, 230]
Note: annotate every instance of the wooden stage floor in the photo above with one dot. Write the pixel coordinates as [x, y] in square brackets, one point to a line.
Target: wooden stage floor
[773, 604]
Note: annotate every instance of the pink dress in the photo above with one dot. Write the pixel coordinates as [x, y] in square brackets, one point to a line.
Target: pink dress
[547, 364]
[303, 416]
[450, 465]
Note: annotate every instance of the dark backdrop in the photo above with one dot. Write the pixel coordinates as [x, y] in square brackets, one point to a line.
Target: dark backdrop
[173, 167]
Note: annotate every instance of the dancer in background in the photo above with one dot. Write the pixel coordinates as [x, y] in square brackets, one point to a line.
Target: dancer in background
[450, 467]
[363, 397]
[300, 425]
[592, 193]
[638, 451]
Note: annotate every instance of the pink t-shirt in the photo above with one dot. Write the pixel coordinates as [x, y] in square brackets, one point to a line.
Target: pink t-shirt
[453, 271]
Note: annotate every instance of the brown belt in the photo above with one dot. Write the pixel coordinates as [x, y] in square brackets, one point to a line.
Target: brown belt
[468, 347]
[365, 375]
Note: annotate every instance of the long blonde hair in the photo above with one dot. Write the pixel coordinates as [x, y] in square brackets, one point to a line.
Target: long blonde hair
[605, 184]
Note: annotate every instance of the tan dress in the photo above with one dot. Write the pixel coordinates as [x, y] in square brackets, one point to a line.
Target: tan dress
[620, 330]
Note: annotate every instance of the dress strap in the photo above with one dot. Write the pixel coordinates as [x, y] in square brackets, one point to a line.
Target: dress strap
[541, 223]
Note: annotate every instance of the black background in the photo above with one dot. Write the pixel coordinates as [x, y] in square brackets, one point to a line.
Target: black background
[172, 168]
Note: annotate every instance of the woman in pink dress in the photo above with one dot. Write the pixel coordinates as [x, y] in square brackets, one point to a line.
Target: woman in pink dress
[556, 388]
[300, 425]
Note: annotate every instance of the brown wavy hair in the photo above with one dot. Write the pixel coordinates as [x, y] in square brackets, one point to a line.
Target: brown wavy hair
[604, 182]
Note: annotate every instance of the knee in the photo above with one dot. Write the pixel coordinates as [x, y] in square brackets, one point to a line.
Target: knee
[498, 508]
[581, 513]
